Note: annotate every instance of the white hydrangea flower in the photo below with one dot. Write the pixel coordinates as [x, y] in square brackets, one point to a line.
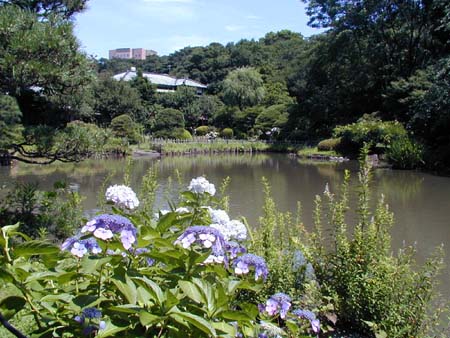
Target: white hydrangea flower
[201, 185]
[232, 230]
[219, 216]
[122, 196]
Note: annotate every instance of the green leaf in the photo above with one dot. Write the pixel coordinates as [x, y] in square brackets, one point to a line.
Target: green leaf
[127, 308]
[225, 327]
[155, 290]
[236, 315]
[91, 264]
[35, 248]
[11, 305]
[166, 221]
[128, 289]
[147, 318]
[192, 291]
[197, 321]
[110, 330]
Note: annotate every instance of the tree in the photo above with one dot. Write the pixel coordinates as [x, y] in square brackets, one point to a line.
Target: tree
[167, 122]
[41, 67]
[243, 87]
[46, 8]
[113, 98]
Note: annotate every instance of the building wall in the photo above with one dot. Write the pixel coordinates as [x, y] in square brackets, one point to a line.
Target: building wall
[129, 53]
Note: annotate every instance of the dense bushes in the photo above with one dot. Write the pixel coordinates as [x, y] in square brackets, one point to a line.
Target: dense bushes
[227, 133]
[202, 130]
[405, 154]
[329, 144]
[124, 126]
[370, 130]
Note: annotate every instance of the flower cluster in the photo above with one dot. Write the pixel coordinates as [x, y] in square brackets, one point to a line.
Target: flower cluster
[122, 196]
[205, 236]
[106, 226]
[243, 263]
[88, 318]
[234, 249]
[200, 185]
[79, 247]
[279, 303]
[230, 229]
[310, 316]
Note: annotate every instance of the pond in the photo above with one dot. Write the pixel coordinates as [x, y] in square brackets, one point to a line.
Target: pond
[420, 201]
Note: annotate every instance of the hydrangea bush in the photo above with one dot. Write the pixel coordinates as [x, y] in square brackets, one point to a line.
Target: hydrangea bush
[127, 273]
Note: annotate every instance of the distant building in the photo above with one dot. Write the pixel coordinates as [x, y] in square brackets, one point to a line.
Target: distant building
[130, 53]
[164, 83]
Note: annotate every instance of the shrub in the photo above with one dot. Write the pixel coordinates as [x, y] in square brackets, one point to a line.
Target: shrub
[370, 290]
[405, 154]
[329, 144]
[202, 130]
[182, 134]
[130, 274]
[371, 130]
[227, 133]
[124, 126]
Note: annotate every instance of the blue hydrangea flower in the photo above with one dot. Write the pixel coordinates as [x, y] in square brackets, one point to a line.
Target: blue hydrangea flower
[89, 319]
[79, 247]
[310, 316]
[106, 226]
[205, 236]
[279, 303]
[243, 263]
[234, 249]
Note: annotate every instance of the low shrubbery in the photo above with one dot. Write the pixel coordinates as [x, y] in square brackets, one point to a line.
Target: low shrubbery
[329, 144]
[368, 130]
[202, 130]
[227, 133]
[405, 154]
[123, 126]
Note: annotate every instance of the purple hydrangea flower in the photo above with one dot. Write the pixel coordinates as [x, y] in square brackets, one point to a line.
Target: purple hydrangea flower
[200, 185]
[122, 196]
[310, 316]
[205, 236]
[79, 247]
[277, 303]
[88, 320]
[106, 226]
[243, 263]
[234, 249]
[232, 230]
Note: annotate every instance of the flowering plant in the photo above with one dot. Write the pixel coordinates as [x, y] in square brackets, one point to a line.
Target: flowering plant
[178, 275]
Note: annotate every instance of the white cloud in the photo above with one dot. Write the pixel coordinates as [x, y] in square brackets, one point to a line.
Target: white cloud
[173, 43]
[233, 28]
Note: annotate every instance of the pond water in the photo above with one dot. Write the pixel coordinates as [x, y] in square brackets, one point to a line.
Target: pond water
[420, 201]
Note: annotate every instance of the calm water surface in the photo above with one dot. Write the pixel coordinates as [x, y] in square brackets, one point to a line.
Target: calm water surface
[420, 201]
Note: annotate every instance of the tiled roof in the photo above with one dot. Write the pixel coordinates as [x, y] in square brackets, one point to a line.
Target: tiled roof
[159, 79]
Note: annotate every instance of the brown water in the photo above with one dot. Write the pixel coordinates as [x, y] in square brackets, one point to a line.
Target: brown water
[420, 201]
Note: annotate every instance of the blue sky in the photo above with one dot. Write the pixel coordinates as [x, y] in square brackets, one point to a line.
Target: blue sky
[169, 25]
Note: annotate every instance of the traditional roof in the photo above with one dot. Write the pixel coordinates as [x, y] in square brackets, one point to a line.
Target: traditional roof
[159, 79]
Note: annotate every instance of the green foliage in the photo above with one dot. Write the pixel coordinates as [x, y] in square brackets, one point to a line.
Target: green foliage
[272, 120]
[370, 289]
[227, 133]
[10, 126]
[167, 290]
[124, 126]
[39, 60]
[378, 134]
[55, 213]
[405, 154]
[113, 98]
[202, 130]
[329, 144]
[182, 134]
[243, 87]
[166, 121]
